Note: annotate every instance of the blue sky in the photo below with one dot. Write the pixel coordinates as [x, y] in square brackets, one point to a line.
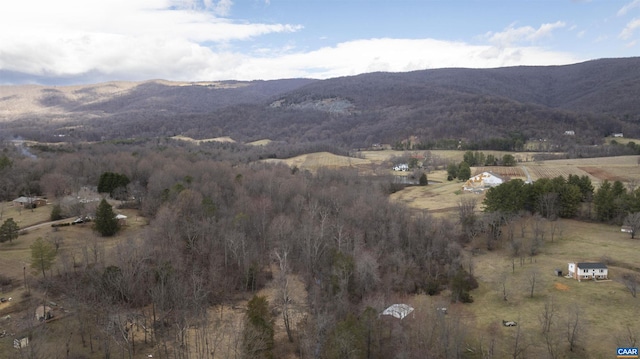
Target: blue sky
[86, 41]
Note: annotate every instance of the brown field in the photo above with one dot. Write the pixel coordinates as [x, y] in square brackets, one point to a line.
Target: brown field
[622, 168]
[606, 307]
[505, 172]
[260, 142]
[312, 162]
[217, 139]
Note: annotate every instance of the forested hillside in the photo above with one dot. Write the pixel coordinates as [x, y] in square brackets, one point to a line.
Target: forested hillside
[216, 232]
[476, 106]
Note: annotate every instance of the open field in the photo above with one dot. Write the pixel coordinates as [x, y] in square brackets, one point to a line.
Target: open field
[443, 196]
[314, 161]
[606, 307]
[33, 224]
[79, 245]
[217, 139]
[621, 168]
[260, 142]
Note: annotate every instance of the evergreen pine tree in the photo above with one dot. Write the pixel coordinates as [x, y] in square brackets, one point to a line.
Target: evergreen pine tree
[423, 180]
[9, 230]
[106, 222]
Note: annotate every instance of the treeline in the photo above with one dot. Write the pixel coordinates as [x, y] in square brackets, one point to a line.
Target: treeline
[551, 198]
[462, 170]
[571, 197]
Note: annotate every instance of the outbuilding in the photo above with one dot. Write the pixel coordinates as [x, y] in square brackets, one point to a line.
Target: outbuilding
[482, 181]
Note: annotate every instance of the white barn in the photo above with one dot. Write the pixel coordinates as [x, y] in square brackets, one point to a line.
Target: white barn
[482, 181]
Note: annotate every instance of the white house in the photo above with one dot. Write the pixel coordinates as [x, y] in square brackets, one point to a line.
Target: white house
[587, 271]
[401, 167]
[482, 181]
[619, 135]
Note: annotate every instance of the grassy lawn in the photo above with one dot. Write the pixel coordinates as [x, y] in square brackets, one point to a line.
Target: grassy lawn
[605, 307]
[78, 243]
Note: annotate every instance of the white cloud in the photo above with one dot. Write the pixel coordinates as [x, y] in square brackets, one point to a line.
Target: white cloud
[628, 30]
[395, 55]
[72, 37]
[512, 35]
[625, 9]
[191, 40]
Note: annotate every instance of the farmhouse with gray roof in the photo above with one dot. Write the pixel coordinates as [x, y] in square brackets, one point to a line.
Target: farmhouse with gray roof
[586, 271]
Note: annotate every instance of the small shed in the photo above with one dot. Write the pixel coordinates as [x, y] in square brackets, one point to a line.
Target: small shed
[122, 219]
[558, 272]
[21, 343]
[43, 313]
[399, 311]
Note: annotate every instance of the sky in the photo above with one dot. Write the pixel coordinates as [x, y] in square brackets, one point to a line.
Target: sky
[65, 42]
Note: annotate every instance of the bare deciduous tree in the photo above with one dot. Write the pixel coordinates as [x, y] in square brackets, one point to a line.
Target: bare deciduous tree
[630, 281]
[575, 327]
[533, 276]
[632, 221]
[283, 289]
[555, 229]
[549, 328]
[520, 344]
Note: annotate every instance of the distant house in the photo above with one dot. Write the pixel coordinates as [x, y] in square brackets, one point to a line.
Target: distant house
[122, 219]
[587, 271]
[482, 181]
[618, 135]
[401, 167]
[570, 133]
[29, 202]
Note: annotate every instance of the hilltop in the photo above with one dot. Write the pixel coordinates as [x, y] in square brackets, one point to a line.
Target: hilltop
[593, 99]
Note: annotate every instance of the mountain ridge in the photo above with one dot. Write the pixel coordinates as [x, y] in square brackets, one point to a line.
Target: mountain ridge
[593, 98]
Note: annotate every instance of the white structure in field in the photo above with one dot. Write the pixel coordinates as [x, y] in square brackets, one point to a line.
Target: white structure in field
[398, 310]
[482, 181]
[587, 271]
[401, 167]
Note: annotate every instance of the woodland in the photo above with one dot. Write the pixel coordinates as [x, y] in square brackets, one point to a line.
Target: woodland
[214, 229]
[220, 224]
[496, 109]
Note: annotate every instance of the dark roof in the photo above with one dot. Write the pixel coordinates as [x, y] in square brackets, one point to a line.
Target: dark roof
[592, 265]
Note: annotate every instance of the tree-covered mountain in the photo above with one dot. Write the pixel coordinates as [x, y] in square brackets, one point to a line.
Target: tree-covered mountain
[593, 99]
